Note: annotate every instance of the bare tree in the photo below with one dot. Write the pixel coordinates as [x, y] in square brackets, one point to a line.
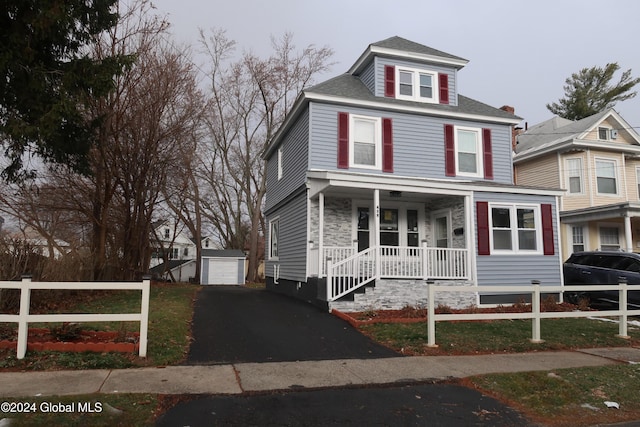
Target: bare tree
[249, 100]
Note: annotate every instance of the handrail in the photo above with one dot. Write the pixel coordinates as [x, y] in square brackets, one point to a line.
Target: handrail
[24, 317]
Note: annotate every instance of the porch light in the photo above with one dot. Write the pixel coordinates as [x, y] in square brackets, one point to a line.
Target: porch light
[396, 194]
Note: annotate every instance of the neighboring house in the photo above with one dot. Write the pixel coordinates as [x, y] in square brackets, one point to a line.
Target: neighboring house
[387, 176]
[177, 270]
[174, 242]
[597, 161]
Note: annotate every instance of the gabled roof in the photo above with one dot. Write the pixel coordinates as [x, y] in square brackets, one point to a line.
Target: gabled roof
[561, 134]
[399, 47]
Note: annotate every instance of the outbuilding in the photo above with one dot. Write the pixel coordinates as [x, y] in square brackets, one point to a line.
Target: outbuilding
[223, 267]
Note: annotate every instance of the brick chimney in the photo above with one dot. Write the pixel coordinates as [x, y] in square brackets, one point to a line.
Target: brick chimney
[515, 131]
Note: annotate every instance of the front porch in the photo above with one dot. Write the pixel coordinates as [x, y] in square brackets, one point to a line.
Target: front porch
[362, 235]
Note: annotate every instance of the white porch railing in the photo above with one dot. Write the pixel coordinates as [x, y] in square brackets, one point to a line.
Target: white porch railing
[347, 274]
[25, 317]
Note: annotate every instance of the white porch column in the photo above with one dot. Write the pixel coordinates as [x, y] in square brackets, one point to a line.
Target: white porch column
[627, 233]
[376, 228]
[321, 272]
[469, 225]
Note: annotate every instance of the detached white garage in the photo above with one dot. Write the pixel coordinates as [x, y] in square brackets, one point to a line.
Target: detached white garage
[223, 267]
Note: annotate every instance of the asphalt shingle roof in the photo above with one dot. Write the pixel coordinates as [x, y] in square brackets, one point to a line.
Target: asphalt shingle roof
[349, 86]
[398, 43]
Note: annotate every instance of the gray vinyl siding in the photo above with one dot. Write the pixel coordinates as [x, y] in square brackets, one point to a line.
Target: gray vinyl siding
[379, 75]
[509, 270]
[295, 149]
[368, 76]
[418, 143]
[292, 245]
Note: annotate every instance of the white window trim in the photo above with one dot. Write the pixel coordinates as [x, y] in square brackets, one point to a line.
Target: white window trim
[568, 176]
[513, 208]
[585, 235]
[615, 171]
[608, 129]
[377, 142]
[279, 163]
[435, 99]
[610, 225]
[479, 152]
[271, 222]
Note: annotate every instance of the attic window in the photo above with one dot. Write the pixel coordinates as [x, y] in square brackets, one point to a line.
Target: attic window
[607, 134]
[416, 85]
[603, 133]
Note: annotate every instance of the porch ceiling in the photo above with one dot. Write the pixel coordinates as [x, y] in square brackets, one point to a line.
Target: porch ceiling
[385, 195]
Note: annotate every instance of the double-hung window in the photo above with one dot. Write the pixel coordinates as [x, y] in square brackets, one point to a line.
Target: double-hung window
[577, 235]
[468, 152]
[416, 85]
[366, 142]
[606, 176]
[574, 175]
[515, 228]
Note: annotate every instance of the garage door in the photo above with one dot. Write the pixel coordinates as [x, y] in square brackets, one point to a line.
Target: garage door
[223, 271]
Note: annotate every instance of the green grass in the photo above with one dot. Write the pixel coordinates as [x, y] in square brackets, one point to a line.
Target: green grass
[500, 336]
[569, 397]
[109, 410]
[170, 313]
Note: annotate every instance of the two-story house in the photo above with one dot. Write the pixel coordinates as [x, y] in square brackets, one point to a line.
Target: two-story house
[385, 177]
[597, 161]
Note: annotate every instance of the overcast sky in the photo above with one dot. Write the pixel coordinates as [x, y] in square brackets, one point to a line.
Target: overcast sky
[519, 52]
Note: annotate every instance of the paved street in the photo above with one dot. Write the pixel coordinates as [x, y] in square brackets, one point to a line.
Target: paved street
[411, 405]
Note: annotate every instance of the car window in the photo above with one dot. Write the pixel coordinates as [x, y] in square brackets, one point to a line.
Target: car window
[633, 266]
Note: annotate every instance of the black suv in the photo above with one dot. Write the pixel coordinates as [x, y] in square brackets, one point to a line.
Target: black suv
[602, 268]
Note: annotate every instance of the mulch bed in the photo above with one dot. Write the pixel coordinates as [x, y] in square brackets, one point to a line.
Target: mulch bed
[416, 315]
[94, 341]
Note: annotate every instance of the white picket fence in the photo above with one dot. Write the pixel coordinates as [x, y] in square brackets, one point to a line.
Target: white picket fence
[25, 317]
[535, 290]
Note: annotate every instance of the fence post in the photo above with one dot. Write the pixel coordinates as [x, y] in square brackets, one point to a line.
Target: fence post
[535, 311]
[622, 306]
[23, 317]
[329, 276]
[431, 314]
[144, 316]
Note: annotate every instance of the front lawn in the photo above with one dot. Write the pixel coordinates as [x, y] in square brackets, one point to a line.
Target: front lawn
[170, 313]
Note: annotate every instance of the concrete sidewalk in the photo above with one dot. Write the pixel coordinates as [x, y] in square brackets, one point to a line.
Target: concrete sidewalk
[247, 377]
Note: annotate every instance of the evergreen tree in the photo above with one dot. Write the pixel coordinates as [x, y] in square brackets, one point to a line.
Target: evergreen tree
[47, 76]
[589, 91]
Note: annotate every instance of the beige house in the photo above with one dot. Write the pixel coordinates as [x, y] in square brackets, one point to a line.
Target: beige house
[596, 161]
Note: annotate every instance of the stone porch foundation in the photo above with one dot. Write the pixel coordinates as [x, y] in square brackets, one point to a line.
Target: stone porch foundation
[396, 294]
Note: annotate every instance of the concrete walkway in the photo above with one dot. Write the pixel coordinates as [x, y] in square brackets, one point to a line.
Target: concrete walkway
[248, 377]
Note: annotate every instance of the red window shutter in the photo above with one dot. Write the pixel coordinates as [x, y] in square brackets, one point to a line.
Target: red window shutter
[387, 145]
[390, 81]
[443, 83]
[343, 140]
[547, 229]
[482, 214]
[488, 153]
[449, 151]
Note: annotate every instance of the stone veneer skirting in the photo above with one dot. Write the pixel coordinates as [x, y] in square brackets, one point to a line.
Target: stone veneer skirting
[395, 294]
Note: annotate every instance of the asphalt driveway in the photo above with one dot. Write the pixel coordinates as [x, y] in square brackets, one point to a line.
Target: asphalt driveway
[233, 324]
